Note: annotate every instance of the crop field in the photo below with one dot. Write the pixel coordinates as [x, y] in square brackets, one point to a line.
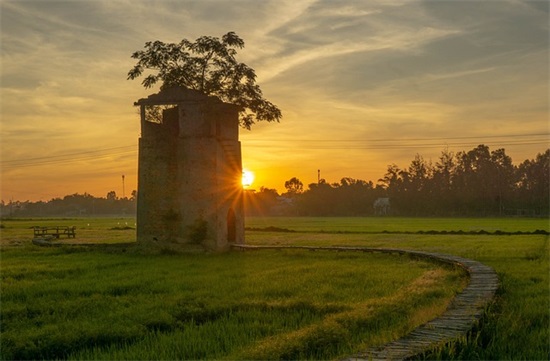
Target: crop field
[115, 301]
[516, 327]
[88, 230]
[401, 224]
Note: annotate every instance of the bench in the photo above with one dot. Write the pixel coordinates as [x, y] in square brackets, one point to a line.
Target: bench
[57, 232]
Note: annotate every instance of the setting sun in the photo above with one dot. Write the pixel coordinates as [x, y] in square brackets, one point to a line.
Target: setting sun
[248, 178]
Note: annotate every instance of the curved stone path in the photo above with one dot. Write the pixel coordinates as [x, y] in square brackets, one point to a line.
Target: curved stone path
[459, 318]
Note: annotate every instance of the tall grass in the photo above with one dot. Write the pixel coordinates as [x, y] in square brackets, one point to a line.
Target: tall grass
[97, 303]
[517, 326]
[401, 224]
[112, 302]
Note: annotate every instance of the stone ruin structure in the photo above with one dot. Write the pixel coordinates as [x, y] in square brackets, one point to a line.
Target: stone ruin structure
[189, 171]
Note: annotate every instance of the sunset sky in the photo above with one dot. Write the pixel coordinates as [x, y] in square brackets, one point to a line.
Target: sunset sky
[361, 84]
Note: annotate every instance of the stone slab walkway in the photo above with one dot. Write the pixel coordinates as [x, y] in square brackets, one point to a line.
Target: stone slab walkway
[462, 314]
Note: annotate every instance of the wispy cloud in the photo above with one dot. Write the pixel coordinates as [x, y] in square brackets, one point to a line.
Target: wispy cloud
[400, 41]
[338, 69]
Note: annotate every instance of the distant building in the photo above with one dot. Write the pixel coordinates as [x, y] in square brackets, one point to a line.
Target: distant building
[189, 171]
[382, 206]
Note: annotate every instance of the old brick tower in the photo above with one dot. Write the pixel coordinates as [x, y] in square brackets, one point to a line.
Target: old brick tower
[189, 171]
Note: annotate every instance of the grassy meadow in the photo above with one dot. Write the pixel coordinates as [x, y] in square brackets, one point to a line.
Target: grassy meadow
[396, 225]
[517, 327]
[114, 301]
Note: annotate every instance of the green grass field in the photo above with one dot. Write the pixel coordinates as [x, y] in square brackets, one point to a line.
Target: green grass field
[88, 230]
[113, 302]
[516, 327]
[401, 224]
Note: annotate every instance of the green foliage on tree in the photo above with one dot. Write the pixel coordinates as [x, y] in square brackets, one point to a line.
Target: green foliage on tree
[294, 186]
[260, 203]
[478, 182]
[208, 65]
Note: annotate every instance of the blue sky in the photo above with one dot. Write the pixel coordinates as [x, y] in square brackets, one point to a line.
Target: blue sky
[361, 84]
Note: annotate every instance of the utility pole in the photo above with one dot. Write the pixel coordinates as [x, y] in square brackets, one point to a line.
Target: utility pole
[318, 176]
[123, 186]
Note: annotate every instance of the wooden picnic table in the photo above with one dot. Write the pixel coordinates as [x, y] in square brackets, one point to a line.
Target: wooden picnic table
[56, 231]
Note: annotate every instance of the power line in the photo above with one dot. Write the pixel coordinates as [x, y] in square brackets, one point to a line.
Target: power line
[68, 157]
[401, 146]
[402, 139]
[328, 144]
[403, 143]
[69, 154]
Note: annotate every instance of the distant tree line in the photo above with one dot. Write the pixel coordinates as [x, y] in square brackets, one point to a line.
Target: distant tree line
[478, 182]
[72, 205]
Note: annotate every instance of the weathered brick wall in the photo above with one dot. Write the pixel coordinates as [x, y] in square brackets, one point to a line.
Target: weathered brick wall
[157, 205]
[189, 176]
